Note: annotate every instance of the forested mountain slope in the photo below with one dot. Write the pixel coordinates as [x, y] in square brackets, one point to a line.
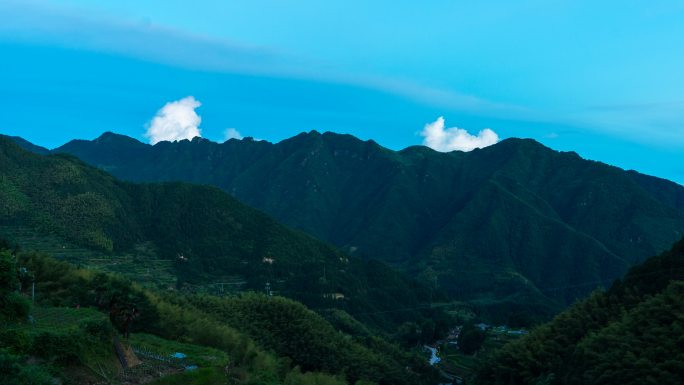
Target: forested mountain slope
[632, 333]
[204, 231]
[515, 220]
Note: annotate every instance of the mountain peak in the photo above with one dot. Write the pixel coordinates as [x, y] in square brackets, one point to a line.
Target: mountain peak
[526, 142]
[114, 138]
[527, 147]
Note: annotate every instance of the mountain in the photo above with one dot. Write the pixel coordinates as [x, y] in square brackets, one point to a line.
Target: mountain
[26, 145]
[204, 233]
[516, 221]
[629, 334]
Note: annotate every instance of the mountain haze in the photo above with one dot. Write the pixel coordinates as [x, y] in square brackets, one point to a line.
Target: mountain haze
[515, 220]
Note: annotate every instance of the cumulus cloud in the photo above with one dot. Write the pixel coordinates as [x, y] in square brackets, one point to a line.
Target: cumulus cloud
[439, 138]
[231, 133]
[175, 121]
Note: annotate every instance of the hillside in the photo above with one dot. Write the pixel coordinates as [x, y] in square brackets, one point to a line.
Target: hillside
[262, 340]
[629, 334]
[205, 235]
[516, 222]
[28, 146]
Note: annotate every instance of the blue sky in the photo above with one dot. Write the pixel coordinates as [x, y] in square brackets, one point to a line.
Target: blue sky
[604, 80]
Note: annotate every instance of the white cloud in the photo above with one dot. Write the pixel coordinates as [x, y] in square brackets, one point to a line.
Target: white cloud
[439, 138]
[231, 133]
[175, 121]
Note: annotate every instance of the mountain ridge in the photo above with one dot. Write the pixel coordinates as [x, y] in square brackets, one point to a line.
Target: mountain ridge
[202, 231]
[513, 217]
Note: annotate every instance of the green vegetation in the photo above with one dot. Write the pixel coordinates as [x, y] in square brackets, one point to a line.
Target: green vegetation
[12, 306]
[629, 334]
[198, 355]
[516, 245]
[194, 238]
[517, 229]
[54, 338]
[14, 310]
[248, 339]
[204, 376]
[14, 371]
[470, 339]
[291, 330]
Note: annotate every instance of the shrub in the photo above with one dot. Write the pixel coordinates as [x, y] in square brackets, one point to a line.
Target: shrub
[13, 372]
[14, 307]
[17, 341]
[62, 348]
[99, 329]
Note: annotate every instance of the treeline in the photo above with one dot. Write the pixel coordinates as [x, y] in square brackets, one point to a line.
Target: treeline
[270, 340]
[632, 333]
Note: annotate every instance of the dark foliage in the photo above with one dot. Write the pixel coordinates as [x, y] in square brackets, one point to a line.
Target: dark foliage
[245, 327]
[207, 233]
[516, 226]
[13, 371]
[632, 333]
[13, 306]
[470, 339]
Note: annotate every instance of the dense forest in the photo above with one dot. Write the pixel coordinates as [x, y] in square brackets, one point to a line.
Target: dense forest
[206, 233]
[632, 333]
[268, 340]
[511, 226]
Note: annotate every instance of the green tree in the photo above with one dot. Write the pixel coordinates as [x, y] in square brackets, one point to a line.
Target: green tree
[13, 372]
[470, 339]
[13, 307]
[409, 334]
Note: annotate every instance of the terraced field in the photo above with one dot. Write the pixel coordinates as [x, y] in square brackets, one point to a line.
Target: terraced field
[55, 319]
[141, 266]
[155, 358]
[62, 317]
